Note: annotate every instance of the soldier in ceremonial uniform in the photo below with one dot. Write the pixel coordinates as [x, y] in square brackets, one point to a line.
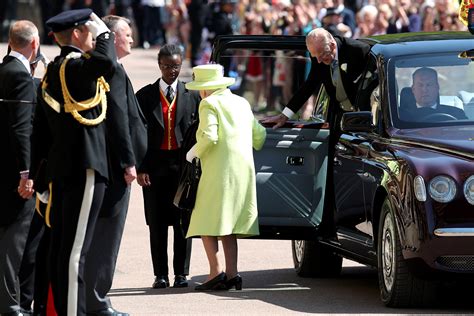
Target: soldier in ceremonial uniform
[17, 98]
[170, 109]
[69, 130]
[127, 140]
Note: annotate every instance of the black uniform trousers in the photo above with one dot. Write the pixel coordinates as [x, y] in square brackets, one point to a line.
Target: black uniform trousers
[102, 256]
[12, 245]
[76, 201]
[160, 213]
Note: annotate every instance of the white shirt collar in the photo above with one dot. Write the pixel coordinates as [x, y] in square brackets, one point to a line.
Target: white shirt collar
[22, 58]
[164, 86]
[434, 106]
[75, 47]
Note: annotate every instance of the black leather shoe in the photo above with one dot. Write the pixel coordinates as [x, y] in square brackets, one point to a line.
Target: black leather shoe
[180, 281]
[107, 312]
[234, 282]
[161, 282]
[216, 284]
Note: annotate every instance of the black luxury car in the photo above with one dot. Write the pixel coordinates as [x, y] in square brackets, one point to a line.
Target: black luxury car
[376, 185]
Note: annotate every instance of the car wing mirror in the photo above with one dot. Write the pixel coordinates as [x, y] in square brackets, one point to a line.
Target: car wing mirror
[357, 122]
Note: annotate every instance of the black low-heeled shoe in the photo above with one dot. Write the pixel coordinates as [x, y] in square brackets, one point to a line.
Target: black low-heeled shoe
[216, 284]
[234, 282]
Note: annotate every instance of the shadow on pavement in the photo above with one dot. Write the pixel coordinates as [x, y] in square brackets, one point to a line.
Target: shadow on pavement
[307, 295]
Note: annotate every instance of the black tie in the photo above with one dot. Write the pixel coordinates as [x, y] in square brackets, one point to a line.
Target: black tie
[170, 94]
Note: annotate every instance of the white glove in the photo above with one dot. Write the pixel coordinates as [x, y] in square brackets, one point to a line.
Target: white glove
[96, 26]
[191, 154]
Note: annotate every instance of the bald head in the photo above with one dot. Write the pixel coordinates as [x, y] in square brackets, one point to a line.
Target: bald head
[21, 34]
[321, 45]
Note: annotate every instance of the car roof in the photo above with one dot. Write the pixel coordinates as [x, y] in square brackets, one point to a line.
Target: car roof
[389, 45]
[419, 43]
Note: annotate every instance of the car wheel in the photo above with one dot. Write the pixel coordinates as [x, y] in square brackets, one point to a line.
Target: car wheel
[398, 286]
[313, 259]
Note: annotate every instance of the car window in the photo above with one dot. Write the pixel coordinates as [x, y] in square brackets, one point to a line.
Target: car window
[432, 90]
[268, 78]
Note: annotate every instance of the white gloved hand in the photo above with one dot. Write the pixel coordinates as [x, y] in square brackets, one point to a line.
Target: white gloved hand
[191, 154]
[96, 26]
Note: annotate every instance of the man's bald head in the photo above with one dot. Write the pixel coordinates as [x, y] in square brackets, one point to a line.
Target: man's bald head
[21, 34]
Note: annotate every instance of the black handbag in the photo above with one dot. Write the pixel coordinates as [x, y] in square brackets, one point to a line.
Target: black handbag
[185, 196]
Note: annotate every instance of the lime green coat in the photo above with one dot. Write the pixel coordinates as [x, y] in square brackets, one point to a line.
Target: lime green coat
[226, 201]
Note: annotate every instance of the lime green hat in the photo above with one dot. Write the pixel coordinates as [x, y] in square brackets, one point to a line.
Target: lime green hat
[209, 77]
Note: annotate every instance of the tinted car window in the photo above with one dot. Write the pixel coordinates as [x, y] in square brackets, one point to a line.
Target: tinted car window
[267, 78]
[455, 85]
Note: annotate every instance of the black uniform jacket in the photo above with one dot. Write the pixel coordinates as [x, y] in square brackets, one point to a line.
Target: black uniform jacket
[186, 112]
[71, 147]
[351, 52]
[126, 125]
[16, 84]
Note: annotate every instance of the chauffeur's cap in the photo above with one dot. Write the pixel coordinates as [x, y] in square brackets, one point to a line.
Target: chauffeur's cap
[68, 19]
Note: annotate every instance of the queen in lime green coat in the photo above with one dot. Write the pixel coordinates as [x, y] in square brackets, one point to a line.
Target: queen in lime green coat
[226, 200]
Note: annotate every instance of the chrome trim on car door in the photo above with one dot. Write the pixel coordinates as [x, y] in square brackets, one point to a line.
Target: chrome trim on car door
[454, 232]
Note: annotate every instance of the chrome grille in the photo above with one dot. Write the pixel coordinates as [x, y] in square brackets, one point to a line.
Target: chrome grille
[460, 263]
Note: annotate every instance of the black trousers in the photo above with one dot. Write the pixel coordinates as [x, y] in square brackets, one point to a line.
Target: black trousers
[102, 256]
[28, 263]
[160, 214]
[12, 245]
[76, 202]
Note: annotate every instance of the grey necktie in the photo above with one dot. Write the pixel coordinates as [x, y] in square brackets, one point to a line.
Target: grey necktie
[170, 94]
[334, 72]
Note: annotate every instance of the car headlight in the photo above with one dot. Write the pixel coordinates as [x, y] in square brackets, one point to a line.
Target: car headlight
[469, 190]
[420, 188]
[442, 189]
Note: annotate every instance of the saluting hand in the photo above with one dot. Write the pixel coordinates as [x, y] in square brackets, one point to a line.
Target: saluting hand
[143, 179]
[96, 26]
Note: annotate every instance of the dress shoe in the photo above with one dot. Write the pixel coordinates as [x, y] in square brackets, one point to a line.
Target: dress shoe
[180, 281]
[107, 312]
[234, 282]
[161, 282]
[216, 284]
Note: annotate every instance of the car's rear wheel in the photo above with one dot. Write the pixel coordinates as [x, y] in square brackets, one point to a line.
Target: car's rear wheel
[398, 286]
[313, 259]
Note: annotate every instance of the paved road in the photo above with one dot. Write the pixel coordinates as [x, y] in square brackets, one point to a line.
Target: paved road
[270, 284]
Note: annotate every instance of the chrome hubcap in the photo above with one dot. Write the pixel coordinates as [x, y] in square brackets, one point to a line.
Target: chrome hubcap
[388, 252]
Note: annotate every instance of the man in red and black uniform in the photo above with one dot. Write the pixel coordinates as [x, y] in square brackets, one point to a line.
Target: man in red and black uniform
[169, 109]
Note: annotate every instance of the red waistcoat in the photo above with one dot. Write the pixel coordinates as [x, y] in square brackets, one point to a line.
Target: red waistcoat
[169, 119]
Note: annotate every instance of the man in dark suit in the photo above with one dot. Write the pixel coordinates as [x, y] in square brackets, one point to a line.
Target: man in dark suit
[69, 131]
[126, 131]
[169, 109]
[337, 63]
[426, 106]
[18, 96]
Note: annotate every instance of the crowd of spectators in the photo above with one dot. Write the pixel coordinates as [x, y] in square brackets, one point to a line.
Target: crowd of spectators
[196, 22]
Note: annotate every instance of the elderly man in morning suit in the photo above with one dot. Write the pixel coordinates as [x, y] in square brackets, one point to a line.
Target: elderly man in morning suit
[337, 63]
[17, 94]
[126, 128]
